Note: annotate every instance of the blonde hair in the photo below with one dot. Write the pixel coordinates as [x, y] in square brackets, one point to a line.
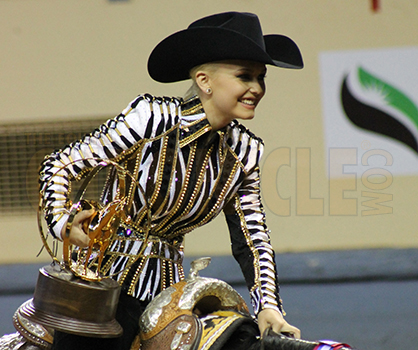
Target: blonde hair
[194, 89]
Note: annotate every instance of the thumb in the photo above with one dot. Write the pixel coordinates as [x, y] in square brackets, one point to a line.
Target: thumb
[79, 238]
[83, 215]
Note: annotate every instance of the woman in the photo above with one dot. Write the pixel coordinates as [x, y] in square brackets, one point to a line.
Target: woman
[193, 160]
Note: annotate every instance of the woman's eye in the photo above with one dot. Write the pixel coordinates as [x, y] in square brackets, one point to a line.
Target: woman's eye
[249, 77]
[244, 77]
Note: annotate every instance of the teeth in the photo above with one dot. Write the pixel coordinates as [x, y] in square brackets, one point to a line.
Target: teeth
[248, 102]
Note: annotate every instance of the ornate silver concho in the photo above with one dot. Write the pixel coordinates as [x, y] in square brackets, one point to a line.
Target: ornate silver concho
[174, 314]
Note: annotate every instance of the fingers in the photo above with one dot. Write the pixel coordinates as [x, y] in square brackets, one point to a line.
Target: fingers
[287, 328]
[79, 238]
[263, 326]
[297, 333]
[77, 235]
[269, 318]
[277, 326]
[82, 215]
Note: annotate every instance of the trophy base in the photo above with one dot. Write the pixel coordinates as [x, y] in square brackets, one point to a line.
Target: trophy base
[72, 305]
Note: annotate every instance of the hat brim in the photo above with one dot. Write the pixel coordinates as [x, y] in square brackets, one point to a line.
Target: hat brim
[172, 59]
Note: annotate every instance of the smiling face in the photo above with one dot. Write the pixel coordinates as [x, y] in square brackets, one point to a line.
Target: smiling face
[236, 89]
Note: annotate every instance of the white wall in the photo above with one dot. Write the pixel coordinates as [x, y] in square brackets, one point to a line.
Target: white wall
[77, 58]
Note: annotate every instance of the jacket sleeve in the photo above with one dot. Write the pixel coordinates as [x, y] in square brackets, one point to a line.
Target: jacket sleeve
[143, 118]
[250, 239]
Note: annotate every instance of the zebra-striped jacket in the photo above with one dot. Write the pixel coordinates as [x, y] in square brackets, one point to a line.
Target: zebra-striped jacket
[189, 174]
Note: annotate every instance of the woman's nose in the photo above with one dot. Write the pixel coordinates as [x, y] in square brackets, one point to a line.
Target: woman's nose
[257, 88]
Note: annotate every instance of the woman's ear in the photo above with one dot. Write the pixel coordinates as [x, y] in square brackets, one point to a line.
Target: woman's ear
[202, 80]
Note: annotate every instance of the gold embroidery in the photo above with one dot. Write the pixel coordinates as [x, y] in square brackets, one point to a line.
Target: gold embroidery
[183, 190]
[109, 263]
[221, 198]
[271, 290]
[172, 174]
[238, 160]
[132, 187]
[136, 275]
[109, 138]
[151, 106]
[194, 136]
[60, 192]
[170, 271]
[80, 152]
[249, 242]
[181, 271]
[193, 123]
[161, 164]
[196, 189]
[163, 276]
[192, 110]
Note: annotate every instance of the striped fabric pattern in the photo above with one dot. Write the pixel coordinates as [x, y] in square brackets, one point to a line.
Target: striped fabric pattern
[189, 174]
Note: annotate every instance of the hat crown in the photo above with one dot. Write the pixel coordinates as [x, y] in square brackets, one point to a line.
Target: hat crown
[218, 37]
[246, 24]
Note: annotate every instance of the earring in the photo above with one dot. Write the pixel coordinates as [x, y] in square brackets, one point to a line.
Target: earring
[209, 91]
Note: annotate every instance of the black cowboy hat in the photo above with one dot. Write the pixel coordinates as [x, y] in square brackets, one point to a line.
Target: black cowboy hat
[223, 36]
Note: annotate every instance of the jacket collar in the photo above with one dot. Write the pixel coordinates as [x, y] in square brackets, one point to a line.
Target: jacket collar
[193, 121]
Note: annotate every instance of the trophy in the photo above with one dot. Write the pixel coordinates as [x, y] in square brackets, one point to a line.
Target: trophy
[72, 295]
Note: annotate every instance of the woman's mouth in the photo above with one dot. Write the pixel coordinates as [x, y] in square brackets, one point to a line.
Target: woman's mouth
[248, 102]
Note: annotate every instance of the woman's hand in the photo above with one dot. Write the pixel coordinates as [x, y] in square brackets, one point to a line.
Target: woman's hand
[269, 318]
[77, 235]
